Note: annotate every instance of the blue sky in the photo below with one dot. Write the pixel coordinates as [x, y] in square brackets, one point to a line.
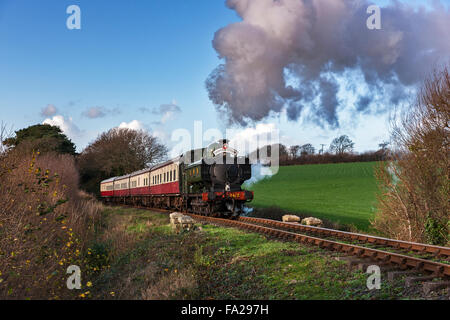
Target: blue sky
[128, 59]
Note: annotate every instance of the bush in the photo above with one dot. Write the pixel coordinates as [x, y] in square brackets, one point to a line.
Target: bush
[44, 224]
[414, 185]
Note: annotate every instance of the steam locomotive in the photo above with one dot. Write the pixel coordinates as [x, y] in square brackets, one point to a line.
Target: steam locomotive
[205, 181]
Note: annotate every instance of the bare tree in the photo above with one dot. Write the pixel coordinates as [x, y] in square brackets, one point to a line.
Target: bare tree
[341, 145]
[293, 150]
[413, 202]
[307, 149]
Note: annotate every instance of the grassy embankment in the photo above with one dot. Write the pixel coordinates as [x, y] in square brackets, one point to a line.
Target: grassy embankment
[144, 259]
[343, 193]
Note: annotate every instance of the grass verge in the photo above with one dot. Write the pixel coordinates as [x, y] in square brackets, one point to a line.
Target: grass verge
[147, 260]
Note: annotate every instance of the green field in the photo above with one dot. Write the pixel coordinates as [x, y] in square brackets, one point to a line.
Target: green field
[343, 192]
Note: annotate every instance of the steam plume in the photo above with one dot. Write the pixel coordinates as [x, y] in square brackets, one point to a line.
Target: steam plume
[289, 55]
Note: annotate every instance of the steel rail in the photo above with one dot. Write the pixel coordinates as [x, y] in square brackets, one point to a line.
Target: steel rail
[397, 244]
[404, 261]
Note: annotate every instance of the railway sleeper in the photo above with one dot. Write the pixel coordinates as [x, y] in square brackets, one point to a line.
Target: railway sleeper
[429, 287]
[395, 275]
[412, 281]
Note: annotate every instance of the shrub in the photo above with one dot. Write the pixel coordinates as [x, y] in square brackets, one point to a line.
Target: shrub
[44, 225]
[414, 185]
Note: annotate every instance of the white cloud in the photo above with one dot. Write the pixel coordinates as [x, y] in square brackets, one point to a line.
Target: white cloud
[66, 125]
[49, 110]
[133, 125]
[167, 116]
[166, 111]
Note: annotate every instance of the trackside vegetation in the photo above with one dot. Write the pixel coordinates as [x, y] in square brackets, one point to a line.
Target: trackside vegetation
[145, 259]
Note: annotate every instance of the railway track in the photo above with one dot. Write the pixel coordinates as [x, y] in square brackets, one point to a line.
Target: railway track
[428, 252]
[433, 260]
[403, 254]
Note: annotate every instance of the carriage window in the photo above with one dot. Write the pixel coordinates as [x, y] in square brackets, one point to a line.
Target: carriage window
[170, 176]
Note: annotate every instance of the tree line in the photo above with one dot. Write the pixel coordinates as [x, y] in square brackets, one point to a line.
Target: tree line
[120, 151]
[341, 150]
[116, 152]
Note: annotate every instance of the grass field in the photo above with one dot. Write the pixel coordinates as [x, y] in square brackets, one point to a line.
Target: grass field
[343, 192]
